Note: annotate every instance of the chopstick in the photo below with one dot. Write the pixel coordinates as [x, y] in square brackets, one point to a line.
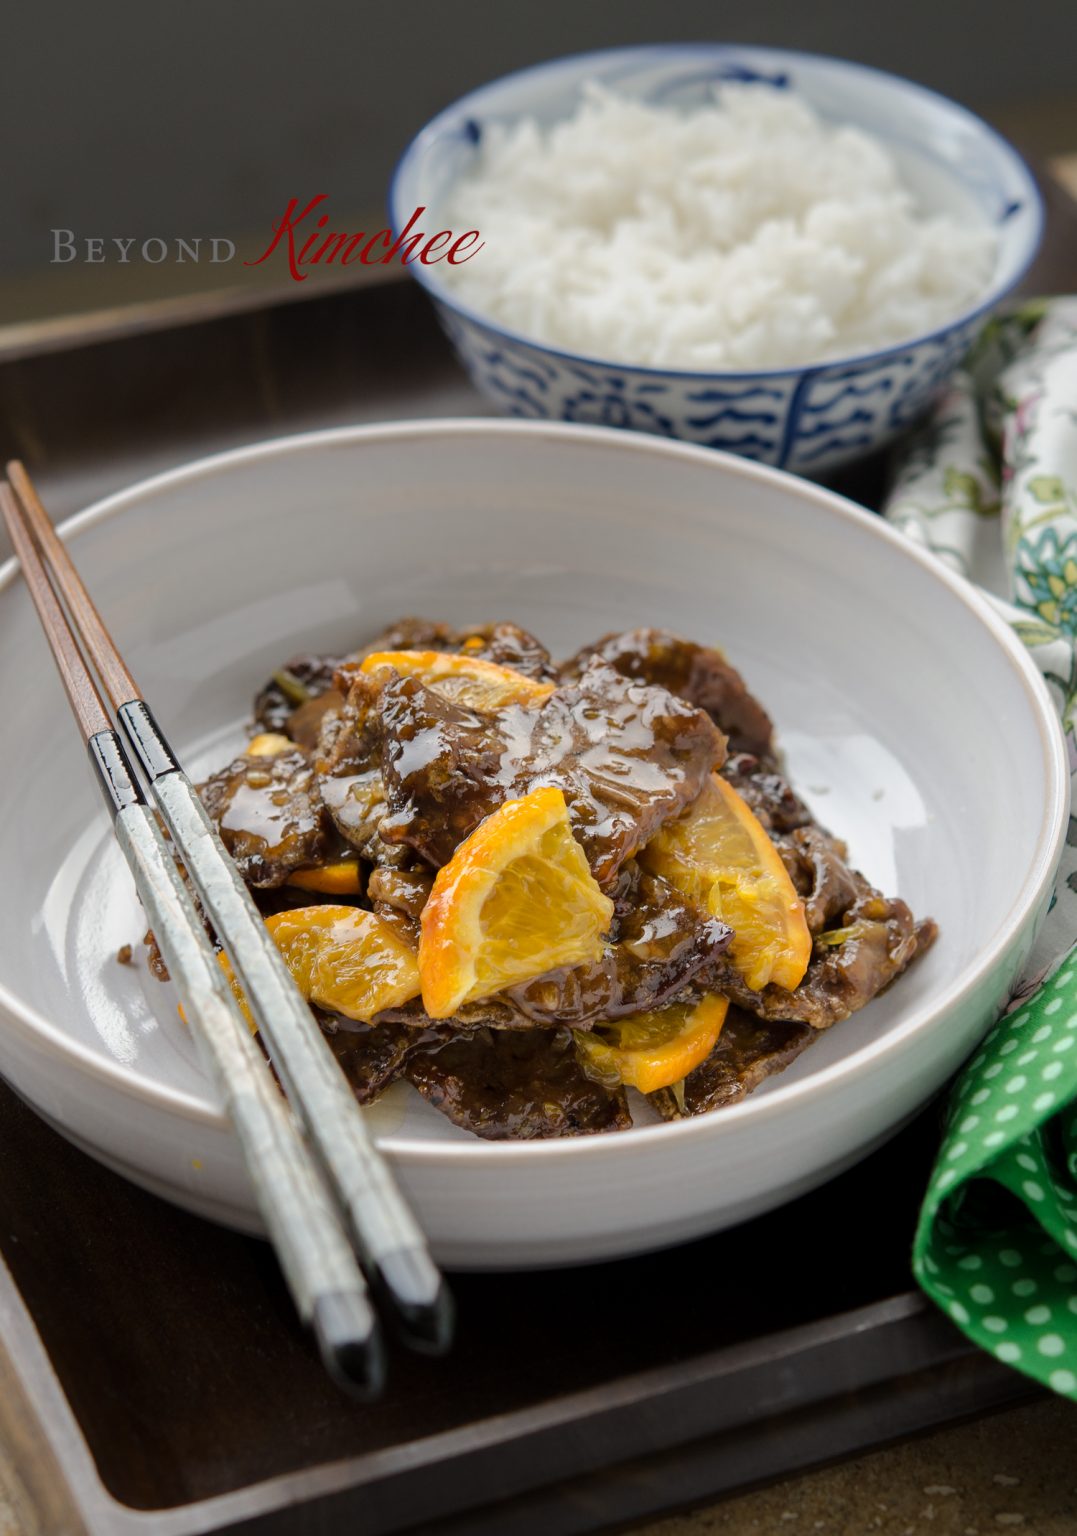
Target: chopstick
[326, 1283]
[388, 1240]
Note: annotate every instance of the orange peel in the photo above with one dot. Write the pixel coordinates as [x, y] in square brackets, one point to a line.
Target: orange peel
[342, 878]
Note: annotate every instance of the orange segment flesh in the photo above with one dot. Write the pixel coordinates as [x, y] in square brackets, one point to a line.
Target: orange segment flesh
[343, 959]
[721, 858]
[268, 744]
[340, 879]
[466, 680]
[653, 1050]
[516, 899]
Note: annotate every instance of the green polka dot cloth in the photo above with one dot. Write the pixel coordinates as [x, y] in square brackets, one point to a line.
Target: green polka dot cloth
[997, 1240]
[990, 486]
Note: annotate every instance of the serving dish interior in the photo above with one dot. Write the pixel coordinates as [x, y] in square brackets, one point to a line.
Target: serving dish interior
[906, 717]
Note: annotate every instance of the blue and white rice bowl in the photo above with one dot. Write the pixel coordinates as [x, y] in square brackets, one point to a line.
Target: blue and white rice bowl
[810, 419]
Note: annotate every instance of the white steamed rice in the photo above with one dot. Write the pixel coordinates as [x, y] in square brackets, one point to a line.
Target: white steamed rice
[747, 234]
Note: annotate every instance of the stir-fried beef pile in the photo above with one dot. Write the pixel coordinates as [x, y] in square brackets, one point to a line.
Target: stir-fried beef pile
[527, 888]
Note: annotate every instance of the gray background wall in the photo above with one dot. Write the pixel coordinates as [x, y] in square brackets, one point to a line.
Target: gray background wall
[137, 117]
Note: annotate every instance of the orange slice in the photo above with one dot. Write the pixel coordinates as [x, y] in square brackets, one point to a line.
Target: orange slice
[268, 744]
[516, 899]
[652, 1050]
[343, 959]
[466, 680]
[721, 858]
[237, 992]
[343, 878]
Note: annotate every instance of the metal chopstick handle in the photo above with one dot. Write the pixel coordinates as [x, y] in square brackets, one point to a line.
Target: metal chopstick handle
[388, 1238]
[312, 1247]
[329, 1288]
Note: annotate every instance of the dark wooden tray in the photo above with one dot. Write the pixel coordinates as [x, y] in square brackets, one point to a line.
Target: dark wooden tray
[176, 1390]
[152, 1375]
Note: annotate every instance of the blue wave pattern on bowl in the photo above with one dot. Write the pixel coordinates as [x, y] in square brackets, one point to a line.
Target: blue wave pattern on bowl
[808, 422]
[811, 419]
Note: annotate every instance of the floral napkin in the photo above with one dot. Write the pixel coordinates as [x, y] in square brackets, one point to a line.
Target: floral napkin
[990, 485]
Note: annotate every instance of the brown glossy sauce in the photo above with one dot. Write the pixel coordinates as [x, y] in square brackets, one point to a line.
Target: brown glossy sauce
[393, 770]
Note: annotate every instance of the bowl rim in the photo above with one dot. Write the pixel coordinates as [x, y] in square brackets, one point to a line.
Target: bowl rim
[442, 295]
[415, 1151]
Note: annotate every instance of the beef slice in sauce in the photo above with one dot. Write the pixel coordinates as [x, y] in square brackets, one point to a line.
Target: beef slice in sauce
[698, 673]
[348, 765]
[269, 815]
[372, 1056]
[767, 794]
[658, 944]
[300, 681]
[628, 756]
[748, 1051]
[522, 1085]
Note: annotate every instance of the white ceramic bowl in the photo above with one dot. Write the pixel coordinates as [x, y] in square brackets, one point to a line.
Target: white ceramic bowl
[912, 719]
[809, 419]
